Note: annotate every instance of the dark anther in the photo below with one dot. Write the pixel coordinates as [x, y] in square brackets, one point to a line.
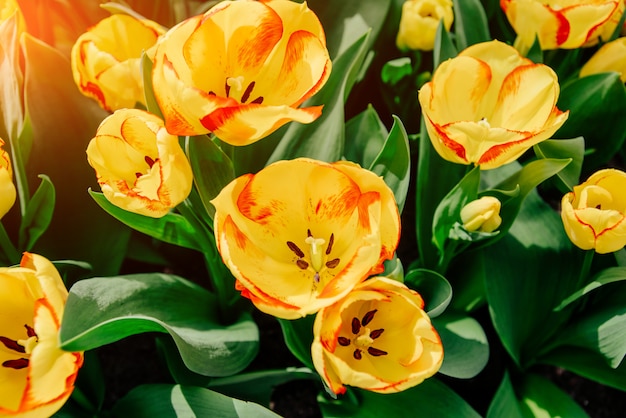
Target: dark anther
[599, 207]
[138, 175]
[30, 331]
[356, 325]
[308, 233]
[367, 318]
[331, 240]
[246, 94]
[149, 161]
[376, 333]
[332, 263]
[227, 88]
[376, 352]
[16, 364]
[293, 247]
[12, 345]
[302, 264]
[258, 100]
[343, 341]
[212, 93]
[357, 354]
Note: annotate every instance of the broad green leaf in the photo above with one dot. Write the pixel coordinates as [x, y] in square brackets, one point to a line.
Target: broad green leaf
[393, 163]
[395, 70]
[470, 23]
[433, 287]
[541, 398]
[504, 402]
[103, 310]
[573, 149]
[168, 351]
[467, 276]
[38, 214]
[464, 343]
[597, 106]
[298, 335]
[443, 49]
[606, 276]
[212, 169]
[163, 400]
[431, 396]
[171, 228]
[365, 137]
[324, 138]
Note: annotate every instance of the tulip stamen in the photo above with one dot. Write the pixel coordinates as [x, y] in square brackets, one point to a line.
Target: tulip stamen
[364, 336]
[18, 364]
[302, 264]
[293, 247]
[12, 345]
[357, 354]
[149, 161]
[317, 256]
[343, 341]
[246, 94]
[20, 346]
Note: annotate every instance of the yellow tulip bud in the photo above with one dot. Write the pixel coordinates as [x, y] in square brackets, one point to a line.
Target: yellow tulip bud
[481, 215]
[36, 376]
[610, 57]
[7, 188]
[593, 213]
[419, 21]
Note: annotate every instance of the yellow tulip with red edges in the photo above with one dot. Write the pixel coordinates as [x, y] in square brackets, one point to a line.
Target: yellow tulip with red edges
[377, 338]
[241, 70]
[419, 21]
[106, 60]
[594, 212]
[566, 24]
[140, 166]
[7, 188]
[488, 105]
[300, 234]
[610, 57]
[36, 376]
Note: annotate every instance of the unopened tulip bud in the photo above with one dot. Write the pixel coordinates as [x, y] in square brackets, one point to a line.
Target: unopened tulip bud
[482, 215]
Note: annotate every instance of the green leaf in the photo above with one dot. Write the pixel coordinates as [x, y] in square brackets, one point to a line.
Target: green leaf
[504, 402]
[298, 336]
[171, 228]
[443, 49]
[535, 53]
[146, 72]
[606, 276]
[212, 169]
[470, 23]
[597, 106]
[163, 400]
[126, 305]
[393, 163]
[467, 274]
[38, 214]
[395, 70]
[464, 343]
[365, 137]
[433, 287]
[573, 149]
[541, 398]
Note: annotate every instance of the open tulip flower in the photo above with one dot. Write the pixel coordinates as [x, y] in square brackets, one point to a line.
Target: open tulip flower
[593, 213]
[489, 105]
[241, 70]
[140, 166]
[300, 234]
[7, 188]
[562, 23]
[106, 66]
[377, 338]
[36, 376]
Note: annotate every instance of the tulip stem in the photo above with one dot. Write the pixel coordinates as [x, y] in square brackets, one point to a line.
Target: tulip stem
[19, 171]
[8, 249]
[585, 269]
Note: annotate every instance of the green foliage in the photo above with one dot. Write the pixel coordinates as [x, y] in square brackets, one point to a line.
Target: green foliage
[38, 214]
[470, 22]
[298, 336]
[433, 287]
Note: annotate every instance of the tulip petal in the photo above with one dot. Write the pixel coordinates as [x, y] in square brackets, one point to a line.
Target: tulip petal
[585, 20]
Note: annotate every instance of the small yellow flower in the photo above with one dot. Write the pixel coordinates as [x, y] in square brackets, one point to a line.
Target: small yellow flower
[106, 60]
[419, 21]
[610, 57]
[489, 105]
[593, 213]
[140, 167]
[481, 214]
[241, 70]
[377, 338]
[36, 376]
[563, 24]
[7, 188]
[300, 234]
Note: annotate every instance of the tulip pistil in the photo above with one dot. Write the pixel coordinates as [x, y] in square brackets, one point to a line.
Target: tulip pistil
[20, 346]
[364, 337]
[317, 256]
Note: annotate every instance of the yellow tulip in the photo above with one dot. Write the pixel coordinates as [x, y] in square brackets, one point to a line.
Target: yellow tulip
[241, 70]
[300, 234]
[36, 376]
[489, 105]
[140, 166]
[481, 214]
[563, 24]
[610, 57]
[593, 213]
[106, 65]
[419, 21]
[7, 188]
[377, 338]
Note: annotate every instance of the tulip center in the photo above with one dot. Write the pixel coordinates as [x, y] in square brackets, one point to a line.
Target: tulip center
[363, 337]
[595, 197]
[236, 87]
[318, 256]
[25, 346]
